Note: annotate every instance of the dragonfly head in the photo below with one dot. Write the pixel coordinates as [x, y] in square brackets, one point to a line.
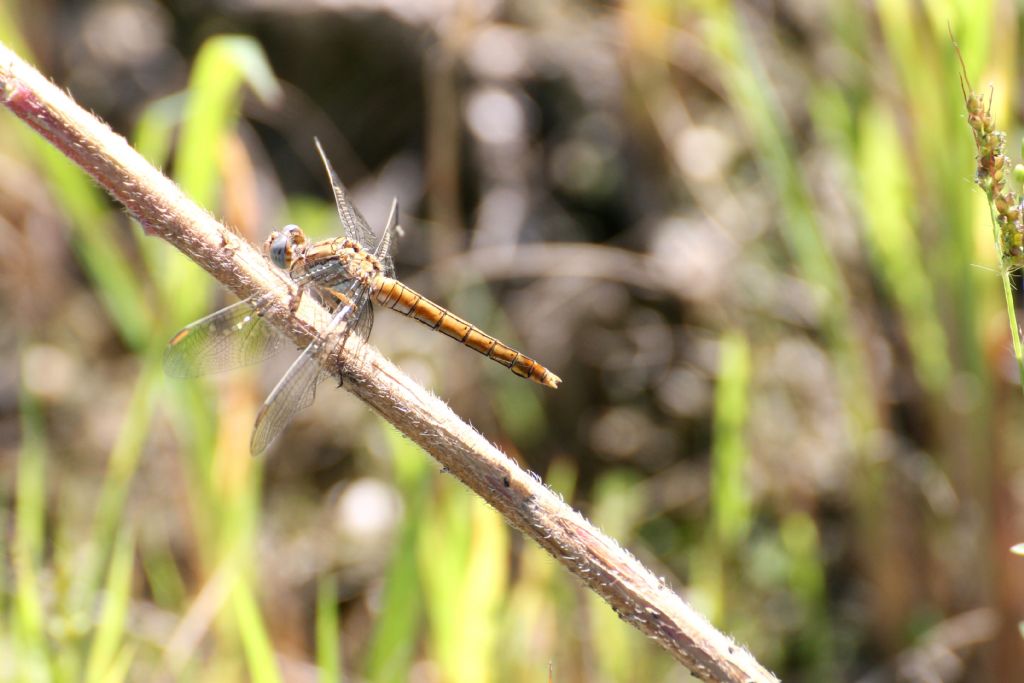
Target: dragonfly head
[284, 246]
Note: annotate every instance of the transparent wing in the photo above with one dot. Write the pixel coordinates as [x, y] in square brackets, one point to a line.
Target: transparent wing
[234, 336]
[356, 227]
[361, 328]
[383, 250]
[363, 324]
[352, 221]
[293, 393]
[297, 388]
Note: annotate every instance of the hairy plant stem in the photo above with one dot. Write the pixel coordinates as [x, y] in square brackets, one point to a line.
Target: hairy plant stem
[637, 595]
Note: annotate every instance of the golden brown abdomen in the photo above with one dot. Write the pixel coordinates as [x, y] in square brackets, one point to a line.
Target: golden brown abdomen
[393, 294]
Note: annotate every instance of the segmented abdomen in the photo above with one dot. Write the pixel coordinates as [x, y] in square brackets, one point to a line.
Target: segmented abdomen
[393, 294]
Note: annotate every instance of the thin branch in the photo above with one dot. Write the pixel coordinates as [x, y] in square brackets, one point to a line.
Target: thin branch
[638, 596]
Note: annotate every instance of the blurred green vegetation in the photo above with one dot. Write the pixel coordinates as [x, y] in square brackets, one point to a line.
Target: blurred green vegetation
[810, 426]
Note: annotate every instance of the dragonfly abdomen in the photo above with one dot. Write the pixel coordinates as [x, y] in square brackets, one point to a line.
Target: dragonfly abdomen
[392, 294]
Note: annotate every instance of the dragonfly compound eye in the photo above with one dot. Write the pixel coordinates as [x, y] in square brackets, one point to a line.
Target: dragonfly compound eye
[279, 249]
[282, 248]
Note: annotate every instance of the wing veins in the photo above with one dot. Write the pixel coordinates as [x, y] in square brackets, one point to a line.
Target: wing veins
[236, 335]
[297, 388]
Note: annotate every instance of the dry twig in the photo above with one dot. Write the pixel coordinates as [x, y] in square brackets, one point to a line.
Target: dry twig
[639, 597]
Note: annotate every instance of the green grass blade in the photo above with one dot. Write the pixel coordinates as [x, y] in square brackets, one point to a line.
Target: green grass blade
[749, 91]
[154, 129]
[28, 619]
[802, 546]
[391, 649]
[98, 245]
[328, 631]
[470, 641]
[124, 458]
[110, 630]
[7, 584]
[730, 500]
[10, 34]
[446, 538]
[222, 66]
[93, 234]
[118, 670]
[162, 576]
[1015, 331]
[394, 640]
[931, 96]
[259, 651]
[886, 195]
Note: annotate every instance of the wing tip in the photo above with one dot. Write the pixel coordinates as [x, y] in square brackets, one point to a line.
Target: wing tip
[258, 443]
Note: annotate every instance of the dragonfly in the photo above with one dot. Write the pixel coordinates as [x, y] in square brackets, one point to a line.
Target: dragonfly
[345, 275]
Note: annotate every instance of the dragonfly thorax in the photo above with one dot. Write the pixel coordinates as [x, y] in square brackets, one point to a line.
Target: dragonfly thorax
[335, 260]
[354, 261]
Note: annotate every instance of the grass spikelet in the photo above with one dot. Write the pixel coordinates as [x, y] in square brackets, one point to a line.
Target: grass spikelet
[1004, 205]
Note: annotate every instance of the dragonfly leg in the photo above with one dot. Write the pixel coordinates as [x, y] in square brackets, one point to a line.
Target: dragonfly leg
[295, 299]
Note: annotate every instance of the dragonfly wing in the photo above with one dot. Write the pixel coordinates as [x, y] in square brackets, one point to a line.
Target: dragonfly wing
[232, 337]
[383, 250]
[294, 392]
[356, 227]
[361, 328]
[237, 335]
[297, 388]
